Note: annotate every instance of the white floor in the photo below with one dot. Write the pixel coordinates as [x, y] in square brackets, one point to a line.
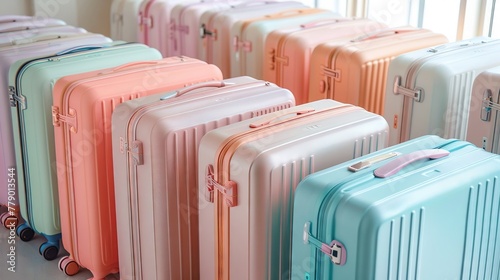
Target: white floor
[30, 265]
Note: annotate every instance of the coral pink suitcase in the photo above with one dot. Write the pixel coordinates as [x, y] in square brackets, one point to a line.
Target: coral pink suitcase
[217, 30]
[251, 169]
[83, 105]
[155, 149]
[355, 72]
[288, 51]
[11, 52]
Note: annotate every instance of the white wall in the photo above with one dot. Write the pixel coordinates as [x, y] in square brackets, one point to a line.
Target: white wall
[93, 15]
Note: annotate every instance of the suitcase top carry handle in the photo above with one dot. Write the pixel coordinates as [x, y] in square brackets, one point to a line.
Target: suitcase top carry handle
[180, 92]
[39, 38]
[397, 164]
[131, 65]
[325, 22]
[383, 33]
[272, 117]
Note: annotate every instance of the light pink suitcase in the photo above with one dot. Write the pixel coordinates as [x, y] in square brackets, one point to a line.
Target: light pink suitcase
[19, 30]
[154, 23]
[217, 29]
[11, 52]
[185, 24]
[156, 188]
[82, 108]
[483, 126]
[251, 169]
[288, 51]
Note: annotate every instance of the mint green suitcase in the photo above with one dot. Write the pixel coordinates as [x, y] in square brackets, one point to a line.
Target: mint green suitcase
[30, 85]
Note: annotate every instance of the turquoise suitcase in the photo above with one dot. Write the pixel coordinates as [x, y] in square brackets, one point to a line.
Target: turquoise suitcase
[427, 208]
[30, 85]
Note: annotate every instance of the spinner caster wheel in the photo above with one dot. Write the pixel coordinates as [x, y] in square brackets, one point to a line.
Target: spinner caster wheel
[25, 232]
[48, 251]
[8, 221]
[68, 266]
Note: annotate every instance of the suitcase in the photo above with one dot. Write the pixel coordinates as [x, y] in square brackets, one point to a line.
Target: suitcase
[20, 18]
[13, 26]
[185, 24]
[30, 84]
[248, 37]
[154, 23]
[356, 72]
[427, 208]
[217, 29]
[288, 51]
[9, 53]
[429, 90]
[123, 17]
[251, 170]
[483, 126]
[17, 32]
[85, 177]
[158, 238]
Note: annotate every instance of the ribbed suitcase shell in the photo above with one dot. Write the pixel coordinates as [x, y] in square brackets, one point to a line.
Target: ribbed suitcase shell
[32, 81]
[10, 53]
[85, 177]
[19, 33]
[247, 51]
[217, 45]
[123, 16]
[288, 51]
[356, 72]
[185, 19]
[443, 76]
[483, 126]
[157, 199]
[258, 169]
[434, 219]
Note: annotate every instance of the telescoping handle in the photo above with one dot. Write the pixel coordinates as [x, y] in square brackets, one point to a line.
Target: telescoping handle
[397, 164]
[272, 117]
[180, 92]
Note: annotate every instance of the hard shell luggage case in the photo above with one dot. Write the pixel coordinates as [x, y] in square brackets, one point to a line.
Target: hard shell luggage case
[16, 26]
[288, 51]
[185, 24]
[85, 177]
[429, 90]
[37, 20]
[483, 126]
[217, 29]
[9, 53]
[17, 32]
[427, 208]
[157, 192]
[248, 37]
[30, 83]
[123, 17]
[251, 170]
[356, 72]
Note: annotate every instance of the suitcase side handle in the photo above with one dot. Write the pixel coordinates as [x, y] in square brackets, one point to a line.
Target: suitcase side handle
[272, 117]
[384, 32]
[397, 164]
[180, 92]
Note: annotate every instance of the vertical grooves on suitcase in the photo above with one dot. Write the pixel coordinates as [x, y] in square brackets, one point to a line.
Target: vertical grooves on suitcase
[404, 245]
[372, 91]
[367, 144]
[458, 109]
[482, 252]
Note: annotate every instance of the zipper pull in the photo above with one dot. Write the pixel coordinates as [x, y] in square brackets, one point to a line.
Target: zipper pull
[15, 99]
[70, 119]
[136, 152]
[334, 250]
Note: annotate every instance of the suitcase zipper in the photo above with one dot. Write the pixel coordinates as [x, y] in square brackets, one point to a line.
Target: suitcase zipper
[218, 178]
[411, 92]
[332, 198]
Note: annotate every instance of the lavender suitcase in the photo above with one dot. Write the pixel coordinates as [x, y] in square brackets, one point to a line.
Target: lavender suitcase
[427, 208]
[483, 126]
[251, 169]
[17, 32]
[155, 149]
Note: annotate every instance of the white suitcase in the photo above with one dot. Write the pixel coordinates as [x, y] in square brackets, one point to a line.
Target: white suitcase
[429, 90]
[124, 20]
[483, 128]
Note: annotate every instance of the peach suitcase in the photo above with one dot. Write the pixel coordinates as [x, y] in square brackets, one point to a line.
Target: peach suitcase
[288, 51]
[155, 148]
[355, 72]
[83, 105]
[251, 169]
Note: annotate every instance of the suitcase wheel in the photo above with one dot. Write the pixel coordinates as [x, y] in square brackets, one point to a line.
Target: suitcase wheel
[49, 251]
[25, 232]
[8, 220]
[68, 266]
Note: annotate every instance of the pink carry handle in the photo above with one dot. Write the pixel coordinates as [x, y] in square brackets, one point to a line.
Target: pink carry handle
[394, 166]
[180, 92]
[383, 33]
[271, 117]
[127, 66]
[325, 22]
